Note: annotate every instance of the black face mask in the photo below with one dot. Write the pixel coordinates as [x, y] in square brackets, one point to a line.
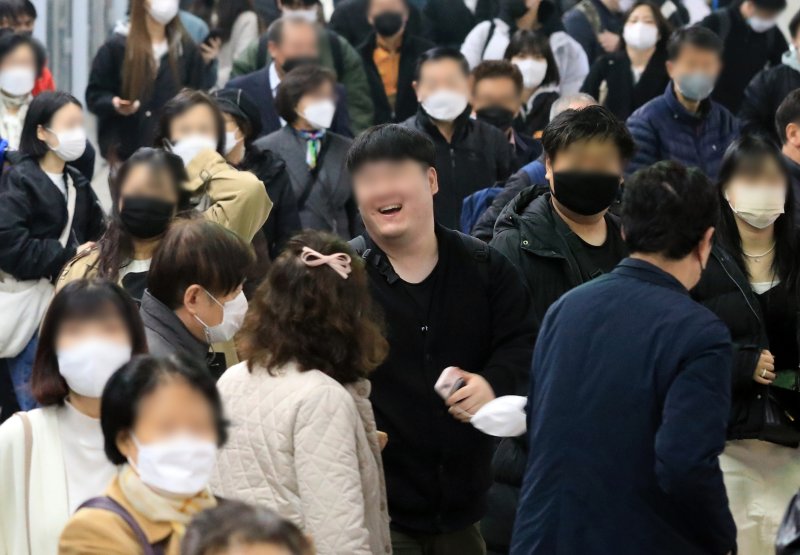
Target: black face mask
[497, 116]
[298, 61]
[146, 217]
[585, 193]
[387, 24]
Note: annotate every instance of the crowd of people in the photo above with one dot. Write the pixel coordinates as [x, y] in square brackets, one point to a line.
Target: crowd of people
[423, 277]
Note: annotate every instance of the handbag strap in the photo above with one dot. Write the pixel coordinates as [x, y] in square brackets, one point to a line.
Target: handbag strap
[107, 504]
[71, 198]
[28, 435]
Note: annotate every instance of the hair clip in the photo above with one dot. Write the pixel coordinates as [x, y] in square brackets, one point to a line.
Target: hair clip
[339, 262]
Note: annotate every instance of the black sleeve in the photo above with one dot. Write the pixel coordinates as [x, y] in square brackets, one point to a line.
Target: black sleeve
[484, 227]
[779, 46]
[284, 210]
[514, 328]
[504, 153]
[195, 69]
[85, 164]
[21, 255]
[754, 113]
[597, 74]
[105, 79]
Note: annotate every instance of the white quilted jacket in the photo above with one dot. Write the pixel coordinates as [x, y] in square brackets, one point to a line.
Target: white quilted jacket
[306, 446]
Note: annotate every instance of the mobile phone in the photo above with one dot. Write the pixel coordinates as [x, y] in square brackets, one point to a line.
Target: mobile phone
[449, 382]
[212, 35]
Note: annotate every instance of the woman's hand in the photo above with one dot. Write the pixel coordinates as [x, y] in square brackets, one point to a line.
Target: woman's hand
[465, 402]
[210, 50]
[765, 369]
[383, 439]
[125, 107]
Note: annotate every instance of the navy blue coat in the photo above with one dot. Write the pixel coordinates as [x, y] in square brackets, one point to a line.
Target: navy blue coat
[257, 85]
[664, 130]
[629, 401]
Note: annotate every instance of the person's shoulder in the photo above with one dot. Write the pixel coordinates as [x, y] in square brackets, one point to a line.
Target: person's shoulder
[89, 530]
[488, 131]
[340, 140]
[650, 109]
[272, 141]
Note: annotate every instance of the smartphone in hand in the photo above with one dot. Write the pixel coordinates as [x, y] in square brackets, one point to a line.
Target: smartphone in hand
[449, 382]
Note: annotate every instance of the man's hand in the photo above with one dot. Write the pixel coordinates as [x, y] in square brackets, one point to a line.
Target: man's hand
[210, 50]
[465, 402]
[609, 41]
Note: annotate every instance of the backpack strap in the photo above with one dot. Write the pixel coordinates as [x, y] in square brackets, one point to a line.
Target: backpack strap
[481, 254]
[592, 16]
[27, 432]
[489, 36]
[336, 53]
[108, 504]
[261, 52]
[358, 244]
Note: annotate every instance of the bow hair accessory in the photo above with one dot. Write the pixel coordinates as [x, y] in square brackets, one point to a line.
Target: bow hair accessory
[339, 262]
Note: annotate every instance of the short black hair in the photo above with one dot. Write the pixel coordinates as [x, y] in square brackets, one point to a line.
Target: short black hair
[190, 253]
[591, 122]
[40, 112]
[666, 209]
[296, 84]
[234, 523]
[497, 69]
[181, 103]
[534, 43]
[788, 112]
[442, 53]
[28, 9]
[83, 299]
[119, 407]
[11, 41]
[391, 141]
[794, 24]
[696, 36]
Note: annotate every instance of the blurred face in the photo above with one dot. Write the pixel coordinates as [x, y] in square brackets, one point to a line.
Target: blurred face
[21, 56]
[500, 91]
[437, 75]
[24, 24]
[395, 198]
[206, 306]
[172, 409]
[750, 9]
[599, 156]
[108, 325]
[692, 60]
[299, 40]
[67, 118]
[197, 120]
[142, 181]
[324, 92]
[377, 7]
[642, 14]
[757, 195]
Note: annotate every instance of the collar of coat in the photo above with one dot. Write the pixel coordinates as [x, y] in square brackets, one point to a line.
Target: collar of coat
[373, 255]
[460, 127]
[681, 113]
[644, 271]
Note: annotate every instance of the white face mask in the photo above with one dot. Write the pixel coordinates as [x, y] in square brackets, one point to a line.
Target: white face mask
[233, 313]
[533, 72]
[445, 105]
[640, 35]
[87, 366]
[502, 417]
[71, 143]
[231, 141]
[320, 113]
[761, 25]
[18, 80]
[189, 147]
[181, 465]
[163, 11]
[306, 15]
[759, 206]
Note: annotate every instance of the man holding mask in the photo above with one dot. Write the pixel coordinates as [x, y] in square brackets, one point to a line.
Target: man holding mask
[390, 56]
[683, 124]
[470, 154]
[564, 237]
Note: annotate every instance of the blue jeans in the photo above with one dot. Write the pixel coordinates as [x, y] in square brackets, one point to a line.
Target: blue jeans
[19, 369]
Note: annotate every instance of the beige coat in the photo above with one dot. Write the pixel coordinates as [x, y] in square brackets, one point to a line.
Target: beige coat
[306, 446]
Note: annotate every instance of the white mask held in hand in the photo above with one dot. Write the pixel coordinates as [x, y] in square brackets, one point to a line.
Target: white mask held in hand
[502, 417]
[759, 206]
[87, 366]
[181, 465]
[231, 141]
[640, 35]
[233, 313]
[305, 15]
[320, 113]
[445, 105]
[18, 80]
[189, 147]
[71, 144]
[533, 72]
[163, 11]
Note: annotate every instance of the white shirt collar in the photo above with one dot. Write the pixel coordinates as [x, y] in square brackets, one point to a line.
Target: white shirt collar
[274, 78]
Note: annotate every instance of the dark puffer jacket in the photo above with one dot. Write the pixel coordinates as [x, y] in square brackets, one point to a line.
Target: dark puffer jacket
[664, 130]
[763, 96]
[508, 470]
[725, 290]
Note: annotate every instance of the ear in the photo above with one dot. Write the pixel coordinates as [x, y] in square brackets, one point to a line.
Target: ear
[126, 446]
[793, 134]
[671, 69]
[416, 88]
[192, 297]
[41, 133]
[433, 180]
[705, 246]
[548, 169]
[272, 48]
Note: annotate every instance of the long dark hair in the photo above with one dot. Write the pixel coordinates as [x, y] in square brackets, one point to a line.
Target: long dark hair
[227, 13]
[749, 153]
[115, 247]
[41, 112]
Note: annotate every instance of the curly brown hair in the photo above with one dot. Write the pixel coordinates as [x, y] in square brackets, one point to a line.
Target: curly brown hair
[314, 317]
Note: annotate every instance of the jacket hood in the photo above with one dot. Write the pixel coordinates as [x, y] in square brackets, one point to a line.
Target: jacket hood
[530, 208]
[262, 162]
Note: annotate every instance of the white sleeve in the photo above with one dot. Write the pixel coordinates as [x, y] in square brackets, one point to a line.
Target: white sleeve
[472, 49]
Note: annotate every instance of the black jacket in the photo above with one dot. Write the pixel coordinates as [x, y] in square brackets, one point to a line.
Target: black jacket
[794, 176]
[538, 116]
[437, 469]
[119, 136]
[406, 101]
[623, 96]
[450, 21]
[526, 233]
[746, 53]
[349, 19]
[508, 470]
[521, 180]
[763, 96]
[33, 212]
[478, 156]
